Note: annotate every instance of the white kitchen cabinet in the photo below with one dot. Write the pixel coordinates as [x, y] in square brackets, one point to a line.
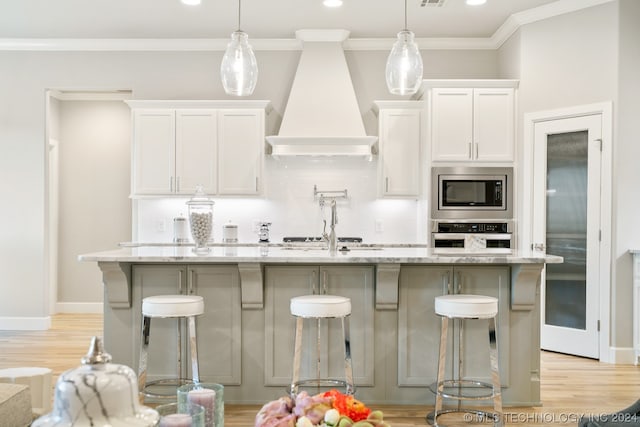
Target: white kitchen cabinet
[178, 145]
[174, 150]
[473, 124]
[153, 151]
[400, 124]
[196, 154]
[284, 282]
[241, 136]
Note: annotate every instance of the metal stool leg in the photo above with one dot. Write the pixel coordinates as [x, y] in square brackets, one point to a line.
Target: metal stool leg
[179, 348]
[193, 346]
[297, 357]
[318, 339]
[144, 347]
[442, 361]
[348, 369]
[495, 373]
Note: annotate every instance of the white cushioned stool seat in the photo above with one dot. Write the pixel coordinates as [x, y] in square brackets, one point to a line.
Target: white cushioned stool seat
[39, 382]
[173, 306]
[320, 306]
[466, 306]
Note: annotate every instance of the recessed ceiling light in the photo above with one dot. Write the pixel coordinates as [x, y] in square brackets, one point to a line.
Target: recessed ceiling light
[191, 2]
[332, 3]
[476, 2]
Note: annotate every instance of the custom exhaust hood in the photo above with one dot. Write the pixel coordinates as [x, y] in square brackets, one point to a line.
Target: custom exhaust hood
[322, 117]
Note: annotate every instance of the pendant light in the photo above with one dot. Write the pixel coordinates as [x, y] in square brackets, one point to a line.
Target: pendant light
[239, 69]
[404, 64]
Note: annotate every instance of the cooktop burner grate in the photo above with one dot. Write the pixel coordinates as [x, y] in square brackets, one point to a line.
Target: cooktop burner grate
[297, 239]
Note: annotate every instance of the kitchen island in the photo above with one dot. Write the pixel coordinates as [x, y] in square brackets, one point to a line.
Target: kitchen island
[245, 337]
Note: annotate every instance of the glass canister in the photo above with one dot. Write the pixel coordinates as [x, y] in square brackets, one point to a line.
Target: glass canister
[200, 219]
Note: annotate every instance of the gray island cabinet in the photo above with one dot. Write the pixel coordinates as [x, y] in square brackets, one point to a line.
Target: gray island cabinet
[245, 336]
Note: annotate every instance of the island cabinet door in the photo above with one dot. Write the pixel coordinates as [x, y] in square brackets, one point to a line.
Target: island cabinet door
[283, 283]
[149, 280]
[491, 281]
[419, 326]
[356, 283]
[219, 328]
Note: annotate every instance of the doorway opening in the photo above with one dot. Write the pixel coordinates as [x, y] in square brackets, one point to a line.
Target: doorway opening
[88, 208]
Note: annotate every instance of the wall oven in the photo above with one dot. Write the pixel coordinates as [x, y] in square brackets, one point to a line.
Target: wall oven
[471, 236]
[471, 193]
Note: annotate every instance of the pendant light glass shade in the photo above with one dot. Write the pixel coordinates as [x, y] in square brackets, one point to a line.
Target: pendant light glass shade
[404, 65]
[239, 68]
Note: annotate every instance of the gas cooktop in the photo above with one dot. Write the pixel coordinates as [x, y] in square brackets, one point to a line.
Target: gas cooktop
[297, 239]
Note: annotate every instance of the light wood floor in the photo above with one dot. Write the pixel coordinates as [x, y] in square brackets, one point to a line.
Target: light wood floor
[571, 386]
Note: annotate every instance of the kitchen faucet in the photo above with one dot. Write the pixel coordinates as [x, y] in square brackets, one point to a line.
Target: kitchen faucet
[333, 245]
[331, 237]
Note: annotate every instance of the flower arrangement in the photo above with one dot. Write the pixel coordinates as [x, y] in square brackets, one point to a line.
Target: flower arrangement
[328, 409]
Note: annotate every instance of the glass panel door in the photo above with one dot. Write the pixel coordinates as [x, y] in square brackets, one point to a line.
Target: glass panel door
[566, 219]
[565, 296]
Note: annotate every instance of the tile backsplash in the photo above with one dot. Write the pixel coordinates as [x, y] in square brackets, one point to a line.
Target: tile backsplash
[288, 204]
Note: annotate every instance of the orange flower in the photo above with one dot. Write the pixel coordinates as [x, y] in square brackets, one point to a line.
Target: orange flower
[348, 405]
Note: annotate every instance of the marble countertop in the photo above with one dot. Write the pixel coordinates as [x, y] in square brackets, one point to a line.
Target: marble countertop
[374, 254]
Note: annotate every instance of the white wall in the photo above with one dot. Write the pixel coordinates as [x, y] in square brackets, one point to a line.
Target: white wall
[94, 207]
[627, 173]
[586, 57]
[149, 75]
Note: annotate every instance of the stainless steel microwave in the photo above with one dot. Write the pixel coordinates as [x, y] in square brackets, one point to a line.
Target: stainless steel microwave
[463, 192]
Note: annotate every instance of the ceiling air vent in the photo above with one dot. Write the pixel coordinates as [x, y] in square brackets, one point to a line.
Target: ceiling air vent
[432, 3]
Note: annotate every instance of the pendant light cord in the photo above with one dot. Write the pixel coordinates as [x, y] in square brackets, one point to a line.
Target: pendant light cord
[405, 15]
[239, 3]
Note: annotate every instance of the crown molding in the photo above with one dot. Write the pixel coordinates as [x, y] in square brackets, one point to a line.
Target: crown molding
[502, 34]
[208, 45]
[540, 13]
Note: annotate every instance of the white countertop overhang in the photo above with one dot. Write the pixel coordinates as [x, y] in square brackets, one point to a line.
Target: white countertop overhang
[117, 274]
[279, 254]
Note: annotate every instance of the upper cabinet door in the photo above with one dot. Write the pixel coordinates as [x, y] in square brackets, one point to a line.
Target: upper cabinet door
[196, 134]
[473, 124]
[154, 151]
[493, 124]
[240, 149]
[400, 151]
[452, 124]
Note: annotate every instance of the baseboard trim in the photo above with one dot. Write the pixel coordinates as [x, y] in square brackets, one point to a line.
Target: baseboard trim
[79, 307]
[621, 356]
[25, 323]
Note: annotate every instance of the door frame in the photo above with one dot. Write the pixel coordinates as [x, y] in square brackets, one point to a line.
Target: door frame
[605, 110]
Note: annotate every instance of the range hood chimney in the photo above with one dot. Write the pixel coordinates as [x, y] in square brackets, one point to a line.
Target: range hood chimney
[322, 117]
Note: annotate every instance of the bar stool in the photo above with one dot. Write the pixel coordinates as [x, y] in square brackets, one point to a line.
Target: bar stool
[169, 306]
[462, 306]
[321, 307]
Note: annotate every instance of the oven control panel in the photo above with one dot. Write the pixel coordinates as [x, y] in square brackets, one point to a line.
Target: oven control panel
[472, 227]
